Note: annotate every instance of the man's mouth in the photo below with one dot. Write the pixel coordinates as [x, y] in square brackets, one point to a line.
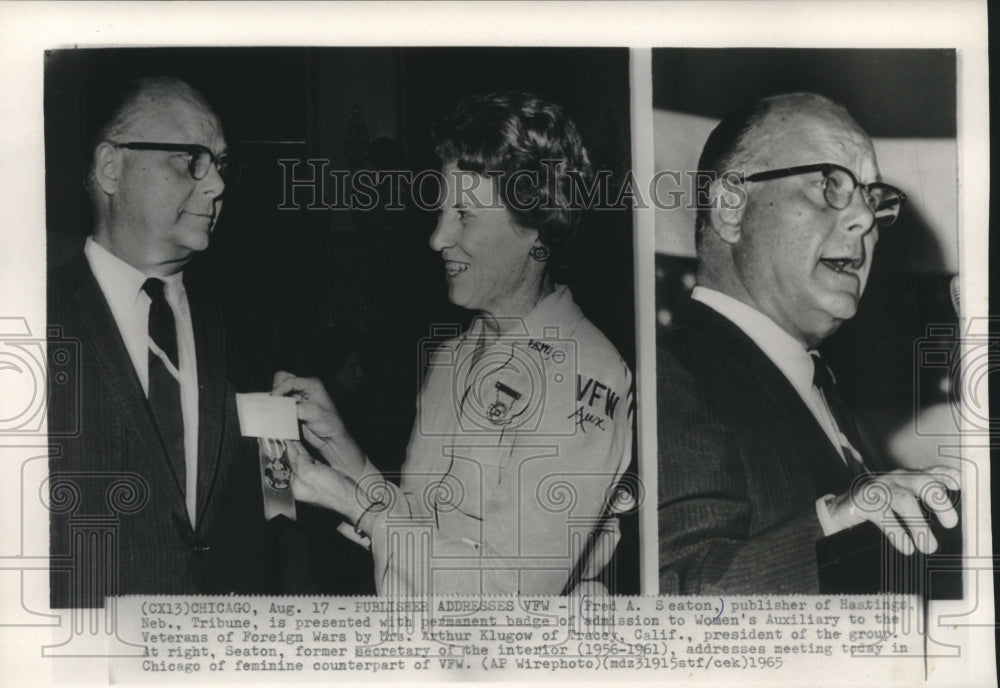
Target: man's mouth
[207, 216]
[453, 267]
[845, 266]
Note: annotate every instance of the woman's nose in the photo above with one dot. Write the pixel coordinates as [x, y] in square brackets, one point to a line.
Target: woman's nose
[444, 233]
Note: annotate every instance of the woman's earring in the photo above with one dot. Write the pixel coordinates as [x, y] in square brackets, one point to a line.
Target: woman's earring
[540, 252]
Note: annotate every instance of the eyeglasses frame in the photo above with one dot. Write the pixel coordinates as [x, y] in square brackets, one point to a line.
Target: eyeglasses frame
[826, 168]
[221, 161]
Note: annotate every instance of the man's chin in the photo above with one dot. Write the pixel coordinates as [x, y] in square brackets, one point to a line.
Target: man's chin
[195, 238]
[193, 247]
[844, 304]
[837, 309]
[826, 313]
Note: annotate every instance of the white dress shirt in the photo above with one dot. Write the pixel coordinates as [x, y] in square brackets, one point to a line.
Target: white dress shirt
[794, 362]
[122, 287]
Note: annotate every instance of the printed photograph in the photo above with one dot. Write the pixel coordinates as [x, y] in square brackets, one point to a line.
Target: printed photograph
[807, 309]
[473, 341]
[352, 321]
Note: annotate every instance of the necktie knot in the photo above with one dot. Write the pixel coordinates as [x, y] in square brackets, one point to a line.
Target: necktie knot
[162, 329]
[154, 288]
[850, 439]
[822, 377]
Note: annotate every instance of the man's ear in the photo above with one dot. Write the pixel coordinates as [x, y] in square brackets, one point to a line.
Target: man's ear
[728, 204]
[107, 168]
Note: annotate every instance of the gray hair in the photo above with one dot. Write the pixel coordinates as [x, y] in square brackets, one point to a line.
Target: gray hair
[743, 137]
[139, 98]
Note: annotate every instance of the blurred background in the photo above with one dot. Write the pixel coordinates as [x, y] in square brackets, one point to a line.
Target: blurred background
[895, 359]
[348, 295]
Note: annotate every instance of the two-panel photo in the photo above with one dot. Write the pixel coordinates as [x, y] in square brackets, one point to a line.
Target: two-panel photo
[364, 321]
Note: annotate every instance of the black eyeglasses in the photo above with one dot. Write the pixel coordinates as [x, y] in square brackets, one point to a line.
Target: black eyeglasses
[200, 158]
[839, 183]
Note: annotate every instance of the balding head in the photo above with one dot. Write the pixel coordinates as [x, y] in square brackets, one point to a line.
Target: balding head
[141, 99]
[778, 245]
[149, 209]
[748, 138]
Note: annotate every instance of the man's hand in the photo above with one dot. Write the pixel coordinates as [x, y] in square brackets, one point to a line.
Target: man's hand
[321, 424]
[892, 500]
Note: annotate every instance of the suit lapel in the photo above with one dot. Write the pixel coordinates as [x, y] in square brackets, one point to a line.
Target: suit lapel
[210, 351]
[100, 336]
[773, 384]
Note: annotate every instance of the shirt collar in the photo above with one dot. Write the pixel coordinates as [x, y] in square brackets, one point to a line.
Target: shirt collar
[785, 351]
[120, 281]
[555, 315]
[557, 310]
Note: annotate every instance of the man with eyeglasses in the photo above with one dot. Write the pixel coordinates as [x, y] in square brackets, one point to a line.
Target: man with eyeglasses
[765, 477]
[159, 453]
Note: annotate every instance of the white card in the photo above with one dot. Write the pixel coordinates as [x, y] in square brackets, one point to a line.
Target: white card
[262, 415]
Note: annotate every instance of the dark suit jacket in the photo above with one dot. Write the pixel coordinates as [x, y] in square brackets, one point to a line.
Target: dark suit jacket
[119, 523]
[742, 462]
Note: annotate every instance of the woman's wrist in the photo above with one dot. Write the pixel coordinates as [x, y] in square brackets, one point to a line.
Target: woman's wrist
[345, 455]
[362, 524]
[374, 498]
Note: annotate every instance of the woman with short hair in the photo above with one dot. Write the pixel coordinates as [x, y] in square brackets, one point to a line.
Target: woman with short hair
[524, 421]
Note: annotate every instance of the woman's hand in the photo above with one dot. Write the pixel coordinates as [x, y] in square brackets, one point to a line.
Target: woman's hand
[318, 484]
[321, 424]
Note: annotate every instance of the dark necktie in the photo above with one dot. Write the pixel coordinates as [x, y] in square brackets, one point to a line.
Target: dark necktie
[164, 376]
[846, 424]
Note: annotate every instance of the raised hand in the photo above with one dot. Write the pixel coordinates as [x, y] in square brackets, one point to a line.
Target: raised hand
[893, 499]
[321, 424]
[318, 484]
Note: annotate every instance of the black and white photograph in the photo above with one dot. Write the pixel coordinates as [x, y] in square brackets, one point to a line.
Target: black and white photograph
[434, 269]
[798, 294]
[371, 342]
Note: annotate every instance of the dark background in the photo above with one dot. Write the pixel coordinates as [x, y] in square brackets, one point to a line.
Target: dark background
[892, 94]
[302, 288]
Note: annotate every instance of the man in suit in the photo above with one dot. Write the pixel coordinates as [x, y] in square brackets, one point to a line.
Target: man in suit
[158, 493]
[762, 468]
